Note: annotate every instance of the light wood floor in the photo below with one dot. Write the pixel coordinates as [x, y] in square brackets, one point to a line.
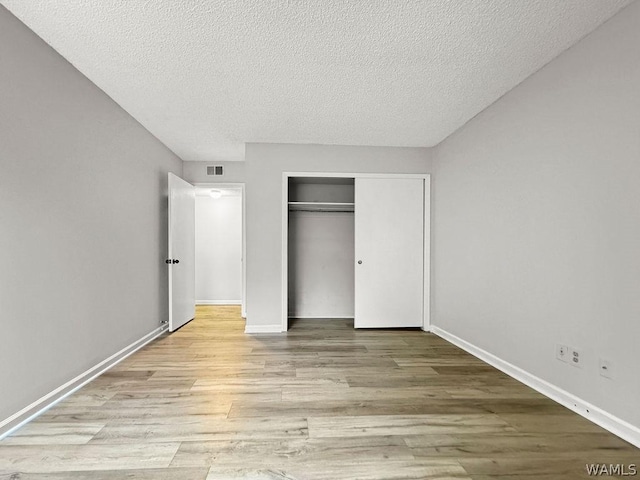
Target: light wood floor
[321, 402]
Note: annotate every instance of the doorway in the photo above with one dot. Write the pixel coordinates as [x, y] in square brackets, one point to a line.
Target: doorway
[220, 245]
[379, 269]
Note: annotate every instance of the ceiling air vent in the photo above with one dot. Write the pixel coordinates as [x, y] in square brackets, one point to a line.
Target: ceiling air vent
[215, 170]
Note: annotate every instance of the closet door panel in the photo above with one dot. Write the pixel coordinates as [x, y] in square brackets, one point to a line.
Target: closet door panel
[389, 252]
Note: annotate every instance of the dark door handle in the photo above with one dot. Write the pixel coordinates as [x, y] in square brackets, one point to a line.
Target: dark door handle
[169, 261]
[359, 262]
[175, 261]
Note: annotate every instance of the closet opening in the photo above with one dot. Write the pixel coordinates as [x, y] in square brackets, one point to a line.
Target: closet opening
[320, 250]
[356, 247]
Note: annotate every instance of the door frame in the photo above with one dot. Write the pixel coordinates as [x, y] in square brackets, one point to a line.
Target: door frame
[426, 298]
[241, 186]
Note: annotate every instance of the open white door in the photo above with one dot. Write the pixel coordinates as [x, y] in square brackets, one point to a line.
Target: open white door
[182, 252]
[389, 246]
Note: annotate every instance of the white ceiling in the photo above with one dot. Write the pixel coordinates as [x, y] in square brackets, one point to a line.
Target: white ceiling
[206, 76]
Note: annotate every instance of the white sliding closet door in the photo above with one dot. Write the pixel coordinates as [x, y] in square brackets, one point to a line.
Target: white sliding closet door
[389, 252]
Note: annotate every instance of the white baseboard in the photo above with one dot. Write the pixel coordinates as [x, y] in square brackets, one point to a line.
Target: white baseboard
[276, 328]
[320, 317]
[609, 422]
[218, 302]
[18, 419]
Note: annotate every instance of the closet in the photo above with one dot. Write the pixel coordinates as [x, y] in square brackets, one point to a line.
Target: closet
[357, 247]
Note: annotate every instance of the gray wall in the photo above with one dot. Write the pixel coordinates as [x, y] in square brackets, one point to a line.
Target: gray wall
[265, 164]
[82, 221]
[537, 220]
[321, 257]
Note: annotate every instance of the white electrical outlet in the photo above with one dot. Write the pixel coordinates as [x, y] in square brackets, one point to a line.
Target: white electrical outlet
[606, 368]
[562, 352]
[575, 357]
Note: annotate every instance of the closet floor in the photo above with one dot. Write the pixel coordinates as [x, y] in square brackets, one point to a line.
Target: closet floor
[323, 401]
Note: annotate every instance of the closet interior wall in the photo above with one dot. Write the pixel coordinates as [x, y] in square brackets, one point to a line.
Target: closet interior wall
[321, 248]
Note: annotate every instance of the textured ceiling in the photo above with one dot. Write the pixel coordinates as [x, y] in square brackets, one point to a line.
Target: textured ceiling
[206, 76]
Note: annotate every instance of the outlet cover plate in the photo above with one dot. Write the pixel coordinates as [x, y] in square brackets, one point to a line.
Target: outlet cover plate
[562, 352]
[605, 368]
[575, 357]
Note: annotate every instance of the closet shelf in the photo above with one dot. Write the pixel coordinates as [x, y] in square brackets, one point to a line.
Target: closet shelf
[320, 207]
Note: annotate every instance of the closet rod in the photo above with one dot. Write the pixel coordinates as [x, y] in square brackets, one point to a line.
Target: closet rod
[321, 206]
[320, 210]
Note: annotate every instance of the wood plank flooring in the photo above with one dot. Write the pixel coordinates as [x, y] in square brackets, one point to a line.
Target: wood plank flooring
[323, 401]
